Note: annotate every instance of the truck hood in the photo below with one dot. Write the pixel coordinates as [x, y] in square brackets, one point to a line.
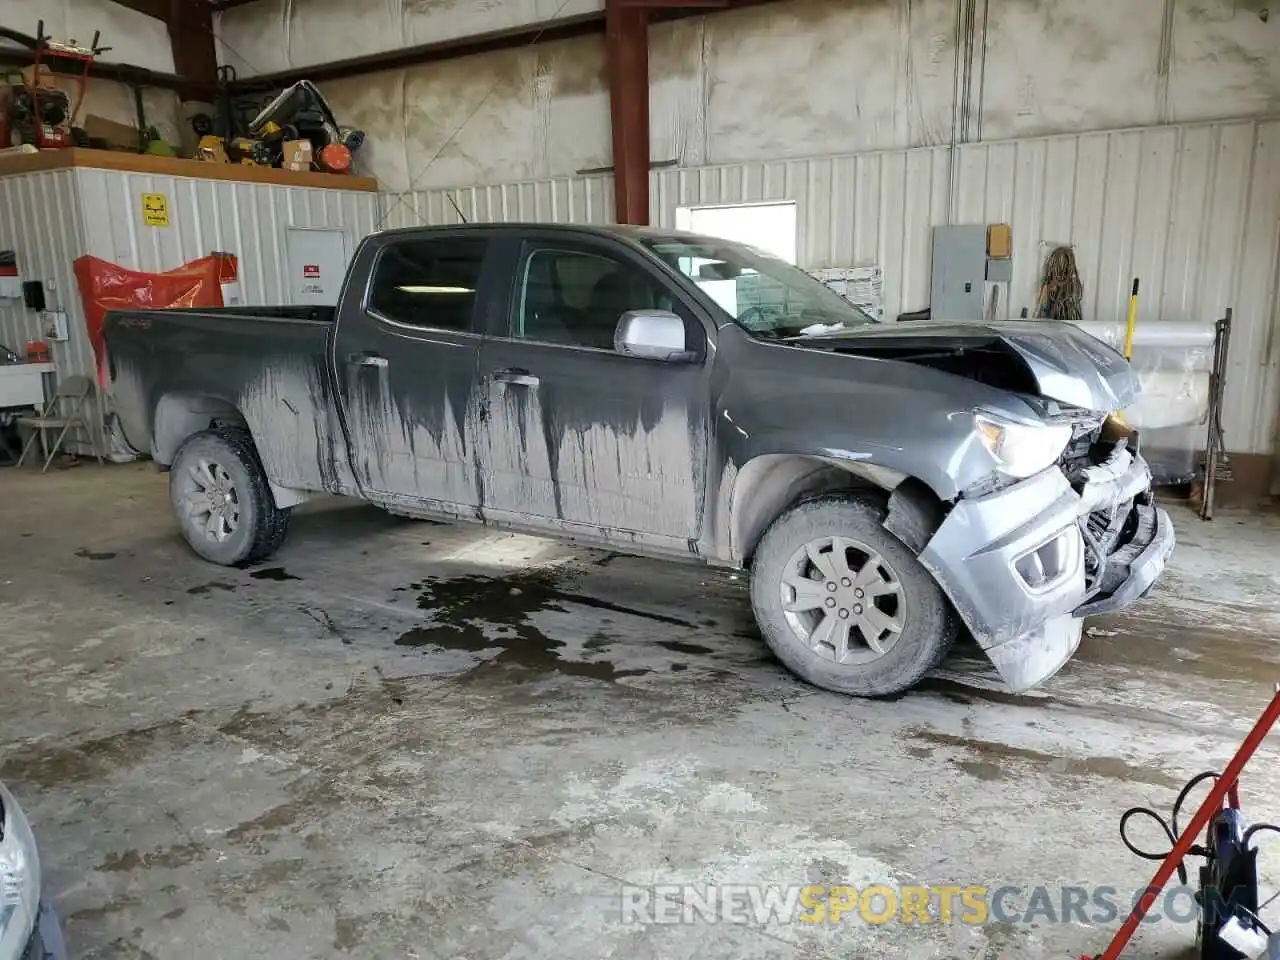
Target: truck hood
[1044, 357]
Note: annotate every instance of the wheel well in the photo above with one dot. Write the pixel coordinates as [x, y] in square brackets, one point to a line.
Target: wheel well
[178, 416]
[769, 484]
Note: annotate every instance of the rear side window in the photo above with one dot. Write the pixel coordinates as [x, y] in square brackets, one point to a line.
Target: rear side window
[429, 283]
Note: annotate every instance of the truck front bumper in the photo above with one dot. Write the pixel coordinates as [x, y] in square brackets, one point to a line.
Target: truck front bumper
[1023, 565]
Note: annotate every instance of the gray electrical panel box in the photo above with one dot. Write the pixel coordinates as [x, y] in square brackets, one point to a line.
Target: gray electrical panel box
[959, 272]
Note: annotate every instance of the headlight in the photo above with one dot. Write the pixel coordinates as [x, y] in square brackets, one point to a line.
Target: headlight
[1022, 449]
[19, 878]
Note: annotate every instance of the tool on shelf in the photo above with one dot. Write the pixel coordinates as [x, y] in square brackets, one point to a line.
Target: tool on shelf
[36, 111]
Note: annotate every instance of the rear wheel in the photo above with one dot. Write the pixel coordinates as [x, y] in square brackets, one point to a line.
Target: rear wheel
[845, 604]
[223, 502]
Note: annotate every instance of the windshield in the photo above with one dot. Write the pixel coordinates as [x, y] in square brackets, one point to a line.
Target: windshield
[764, 294]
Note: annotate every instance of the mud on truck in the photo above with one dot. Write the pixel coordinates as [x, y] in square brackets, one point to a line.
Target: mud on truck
[678, 396]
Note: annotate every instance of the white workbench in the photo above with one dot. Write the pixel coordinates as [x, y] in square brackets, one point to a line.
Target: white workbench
[22, 384]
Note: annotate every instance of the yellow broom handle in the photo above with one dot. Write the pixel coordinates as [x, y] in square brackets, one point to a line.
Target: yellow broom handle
[1132, 322]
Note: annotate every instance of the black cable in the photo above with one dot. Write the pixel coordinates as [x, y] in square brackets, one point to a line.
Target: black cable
[1170, 828]
[1258, 828]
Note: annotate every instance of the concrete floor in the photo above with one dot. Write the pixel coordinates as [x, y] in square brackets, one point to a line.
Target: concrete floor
[404, 739]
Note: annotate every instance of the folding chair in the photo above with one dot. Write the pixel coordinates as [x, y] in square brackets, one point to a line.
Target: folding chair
[73, 393]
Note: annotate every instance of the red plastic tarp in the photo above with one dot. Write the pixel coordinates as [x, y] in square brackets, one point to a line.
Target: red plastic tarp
[107, 286]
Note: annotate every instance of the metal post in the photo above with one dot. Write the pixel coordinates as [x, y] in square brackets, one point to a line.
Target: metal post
[627, 56]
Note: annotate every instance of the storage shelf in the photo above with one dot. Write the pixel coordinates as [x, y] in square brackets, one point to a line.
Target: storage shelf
[173, 167]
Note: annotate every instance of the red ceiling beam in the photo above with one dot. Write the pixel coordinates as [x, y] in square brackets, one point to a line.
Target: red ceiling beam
[525, 35]
[626, 44]
[512, 38]
[195, 56]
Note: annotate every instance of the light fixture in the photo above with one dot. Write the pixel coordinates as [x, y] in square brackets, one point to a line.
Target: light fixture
[433, 289]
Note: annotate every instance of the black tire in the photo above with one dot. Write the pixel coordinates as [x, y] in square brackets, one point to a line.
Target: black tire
[260, 526]
[928, 627]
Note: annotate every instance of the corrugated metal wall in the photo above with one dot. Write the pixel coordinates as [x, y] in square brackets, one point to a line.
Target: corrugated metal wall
[1191, 209]
[52, 218]
[586, 199]
[40, 220]
[247, 219]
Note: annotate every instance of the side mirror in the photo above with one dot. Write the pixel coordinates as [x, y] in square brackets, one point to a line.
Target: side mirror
[651, 335]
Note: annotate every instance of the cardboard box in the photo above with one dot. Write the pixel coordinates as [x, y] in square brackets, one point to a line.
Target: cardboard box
[119, 136]
[999, 241]
[297, 156]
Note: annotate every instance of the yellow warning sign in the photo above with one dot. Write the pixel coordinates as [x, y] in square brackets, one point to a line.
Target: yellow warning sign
[155, 209]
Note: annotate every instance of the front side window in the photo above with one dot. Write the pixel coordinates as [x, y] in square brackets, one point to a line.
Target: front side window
[429, 283]
[762, 293]
[576, 298]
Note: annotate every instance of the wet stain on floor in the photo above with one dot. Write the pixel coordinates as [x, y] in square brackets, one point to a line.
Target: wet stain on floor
[50, 766]
[86, 554]
[966, 695]
[478, 613]
[981, 769]
[1161, 640]
[682, 646]
[169, 857]
[278, 574]
[210, 587]
[989, 759]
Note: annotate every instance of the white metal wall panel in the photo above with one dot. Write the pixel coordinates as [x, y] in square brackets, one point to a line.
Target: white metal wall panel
[54, 217]
[40, 220]
[247, 219]
[585, 199]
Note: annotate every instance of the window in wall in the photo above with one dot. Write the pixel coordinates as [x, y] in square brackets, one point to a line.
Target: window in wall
[429, 283]
[766, 226]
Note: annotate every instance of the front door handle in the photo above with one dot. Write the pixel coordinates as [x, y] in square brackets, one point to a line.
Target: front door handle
[517, 377]
[366, 360]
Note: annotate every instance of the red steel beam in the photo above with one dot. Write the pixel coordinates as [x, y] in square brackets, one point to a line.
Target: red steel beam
[195, 57]
[591, 23]
[626, 41]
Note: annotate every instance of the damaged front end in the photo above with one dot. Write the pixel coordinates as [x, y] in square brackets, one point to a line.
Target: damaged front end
[1023, 564]
[1126, 536]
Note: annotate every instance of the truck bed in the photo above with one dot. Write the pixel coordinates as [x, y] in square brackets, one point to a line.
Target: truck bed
[174, 369]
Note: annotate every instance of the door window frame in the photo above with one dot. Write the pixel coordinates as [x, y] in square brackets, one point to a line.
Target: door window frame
[517, 251]
[485, 285]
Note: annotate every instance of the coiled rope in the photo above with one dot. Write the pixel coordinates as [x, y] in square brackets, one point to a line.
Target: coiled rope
[1061, 292]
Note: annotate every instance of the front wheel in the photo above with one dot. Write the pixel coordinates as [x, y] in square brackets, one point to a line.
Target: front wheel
[223, 502]
[845, 604]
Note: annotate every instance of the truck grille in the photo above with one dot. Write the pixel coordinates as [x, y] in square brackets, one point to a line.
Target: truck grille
[1103, 531]
[1083, 452]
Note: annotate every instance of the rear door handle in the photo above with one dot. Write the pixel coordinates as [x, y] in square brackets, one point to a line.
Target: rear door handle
[366, 360]
[517, 377]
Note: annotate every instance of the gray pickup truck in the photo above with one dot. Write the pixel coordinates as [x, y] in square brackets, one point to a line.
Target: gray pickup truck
[677, 396]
